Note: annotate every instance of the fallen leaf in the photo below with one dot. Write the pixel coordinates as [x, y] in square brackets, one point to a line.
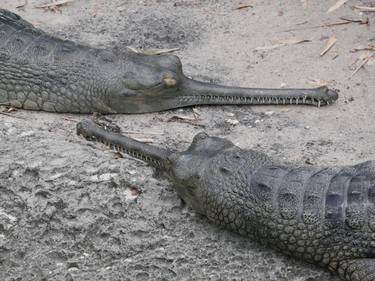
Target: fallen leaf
[331, 41]
[284, 109]
[151, 52]
[336, 6]
[282, 42]
[364, 8]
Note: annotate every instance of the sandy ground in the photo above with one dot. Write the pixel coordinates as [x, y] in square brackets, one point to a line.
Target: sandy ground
[66, 206]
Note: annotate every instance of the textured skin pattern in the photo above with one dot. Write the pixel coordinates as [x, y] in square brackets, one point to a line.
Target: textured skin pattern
[322, 215]
[41, 72]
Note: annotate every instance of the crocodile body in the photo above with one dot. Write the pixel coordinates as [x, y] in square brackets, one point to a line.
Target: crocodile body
[323, 215]
[42, 72]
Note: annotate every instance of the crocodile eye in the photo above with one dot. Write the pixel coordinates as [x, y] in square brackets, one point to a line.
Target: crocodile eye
[169, 81]
[200, 136]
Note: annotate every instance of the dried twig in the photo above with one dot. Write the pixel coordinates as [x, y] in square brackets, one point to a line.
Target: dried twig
[141, 133]
[53, 4]
[361, 48]
[11, 115]
[152, 51]
[282, 42]
[360, 21]
[343, 22]
[244, 7]
[362, 64]
[364, 8]
[338, 4]
[331, 41]
[188, 120]
[70, 119]
[22, 5]
[144, 140]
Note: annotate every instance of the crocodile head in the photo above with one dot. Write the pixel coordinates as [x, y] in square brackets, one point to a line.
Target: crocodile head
[185, 169]
[149, 83]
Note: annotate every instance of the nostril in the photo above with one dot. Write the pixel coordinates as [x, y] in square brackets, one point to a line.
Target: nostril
[333, 94]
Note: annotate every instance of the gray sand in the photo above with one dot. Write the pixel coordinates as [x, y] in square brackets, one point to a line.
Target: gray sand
[66, 206]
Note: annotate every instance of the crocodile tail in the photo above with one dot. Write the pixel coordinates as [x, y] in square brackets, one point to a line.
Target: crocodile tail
[9, 18]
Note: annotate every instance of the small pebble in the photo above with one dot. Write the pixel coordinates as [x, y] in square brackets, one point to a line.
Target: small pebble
[27, 134]
[130, 195]
[232, 121]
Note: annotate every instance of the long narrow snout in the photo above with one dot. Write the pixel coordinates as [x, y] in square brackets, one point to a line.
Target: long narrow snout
[150, 154]
[195, 92]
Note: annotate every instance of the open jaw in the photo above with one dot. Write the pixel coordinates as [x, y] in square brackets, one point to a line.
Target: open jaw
[98, 131]
[195, 92]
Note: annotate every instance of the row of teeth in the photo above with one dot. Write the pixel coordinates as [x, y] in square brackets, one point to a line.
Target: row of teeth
[259, 100]
[124, 150]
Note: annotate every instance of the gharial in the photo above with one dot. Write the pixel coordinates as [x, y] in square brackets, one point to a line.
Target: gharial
[323, 215]
[42, 72]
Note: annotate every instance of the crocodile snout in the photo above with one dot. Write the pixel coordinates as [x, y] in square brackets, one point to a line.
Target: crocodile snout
[333, 95]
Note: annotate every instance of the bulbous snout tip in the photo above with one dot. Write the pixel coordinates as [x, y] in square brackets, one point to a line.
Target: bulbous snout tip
[333, 95]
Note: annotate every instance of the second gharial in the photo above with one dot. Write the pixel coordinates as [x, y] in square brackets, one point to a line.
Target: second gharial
[323, 215]
[41, 72]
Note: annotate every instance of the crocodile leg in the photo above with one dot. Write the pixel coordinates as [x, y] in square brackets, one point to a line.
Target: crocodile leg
[357, 269]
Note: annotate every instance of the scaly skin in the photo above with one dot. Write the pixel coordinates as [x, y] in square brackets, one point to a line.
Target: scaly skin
[323, 215]
[41, 72]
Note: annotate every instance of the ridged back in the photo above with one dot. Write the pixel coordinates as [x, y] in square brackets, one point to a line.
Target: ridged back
[21, 41]
[332, 197]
